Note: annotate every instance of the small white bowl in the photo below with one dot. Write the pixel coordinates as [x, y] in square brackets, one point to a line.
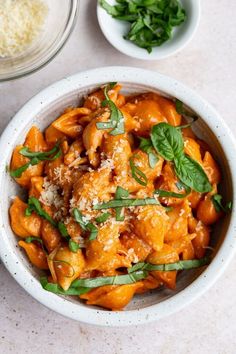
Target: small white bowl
[114, 30]
[43, 109]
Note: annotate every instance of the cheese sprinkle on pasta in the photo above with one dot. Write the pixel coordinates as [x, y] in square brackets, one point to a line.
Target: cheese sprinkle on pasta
[20, 23]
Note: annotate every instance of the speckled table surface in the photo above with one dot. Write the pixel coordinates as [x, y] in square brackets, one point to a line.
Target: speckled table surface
[206, 326]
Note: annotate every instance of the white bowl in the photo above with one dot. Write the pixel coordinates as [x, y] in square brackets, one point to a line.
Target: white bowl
[44, 108]
[114, 30]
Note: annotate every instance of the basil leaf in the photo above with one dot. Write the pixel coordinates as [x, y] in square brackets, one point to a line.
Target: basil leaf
[79, 219]
[34, 205]
[116, 116]
[146, 146]
[120, 193]
[18, 172]
[63, 230]
[137, 174]
[126, 203]
[93, 231]
[73, 246]
[102, 218]
[180, 265]
[167, 141]
[115, 280]
[164, 193]
[57, 289]
[192, 174]
[217, 201]
[32, 239]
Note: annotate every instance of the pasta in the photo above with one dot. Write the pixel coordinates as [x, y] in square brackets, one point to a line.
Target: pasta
[121, 197]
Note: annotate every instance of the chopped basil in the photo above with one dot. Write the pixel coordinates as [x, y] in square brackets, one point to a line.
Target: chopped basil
[217, 201]
[63, 230]
[164, 193]
[32, 239]
[168, 142]
[115, 280]
[73, 246]
[151, 22]
[116, 203]
[57, 289]
[120, 193]
[35, 158]
[86, 226]
[116, 118]
[137, 174]
[34, 205]
[146, 146]
[180, 265]
[102, 218]
[181, 110]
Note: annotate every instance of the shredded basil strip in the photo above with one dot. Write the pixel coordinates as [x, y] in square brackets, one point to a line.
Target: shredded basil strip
[102, 218]
[32, 239]
[164, 193]
[116, 203]
[34, 205]
[86, 226]
[217, 201]
[73, 246]
[180, 265]
[35, 158]
[146, 146]
[120, 193]
[179, 106]
[57, 289]
[168, 142]
[114, 280]
[116, 118]
[137, 174]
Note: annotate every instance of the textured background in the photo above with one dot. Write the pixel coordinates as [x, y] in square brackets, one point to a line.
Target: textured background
[208, 325]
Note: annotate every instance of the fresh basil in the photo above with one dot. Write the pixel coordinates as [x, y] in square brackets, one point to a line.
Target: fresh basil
[102, 218]
[192, 174]
[116, 203]
[57, 289]
[114, 280]
[146, 146]
[35, 158]
[164, 193]
[180, 265]
[31, 239]
[85, 225]
[34, 205]
[120, 194]
[73, 246]
[217, 201]
[137, 174]
[151, 22]
[116, 117]
[63, 230]
[167, 141]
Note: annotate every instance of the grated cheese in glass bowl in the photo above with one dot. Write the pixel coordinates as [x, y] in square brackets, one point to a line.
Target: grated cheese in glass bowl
[32, 32]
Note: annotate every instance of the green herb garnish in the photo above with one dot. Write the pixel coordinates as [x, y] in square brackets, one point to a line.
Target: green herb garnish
[137, 174]
[34, 205]
[102, 218]
[146, 146]
[180, 265]
[35, 158]
[116, 118]
[32, 239]
[115, 280]
[168, 142]
[85, 225]
[217, 201]
[151, 21]
[164, 193]
[57, 289]
[116, 203]
[120, 194]
[73, 246]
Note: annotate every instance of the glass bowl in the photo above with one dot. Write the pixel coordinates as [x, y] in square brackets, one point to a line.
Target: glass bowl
[57, 28]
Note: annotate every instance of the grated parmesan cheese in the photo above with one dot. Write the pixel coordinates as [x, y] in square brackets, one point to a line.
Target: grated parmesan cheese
[20, 23]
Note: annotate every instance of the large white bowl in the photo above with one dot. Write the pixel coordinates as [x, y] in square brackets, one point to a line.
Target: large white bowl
[44, 108]
[114, 31]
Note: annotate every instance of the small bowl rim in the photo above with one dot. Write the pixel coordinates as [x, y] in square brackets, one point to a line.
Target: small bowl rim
[172, 49]
[72, 19]
[137, 77]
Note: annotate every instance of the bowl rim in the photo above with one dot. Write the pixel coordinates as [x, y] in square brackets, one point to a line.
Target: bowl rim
[70, 25]
[163, 52]
[135, 76]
